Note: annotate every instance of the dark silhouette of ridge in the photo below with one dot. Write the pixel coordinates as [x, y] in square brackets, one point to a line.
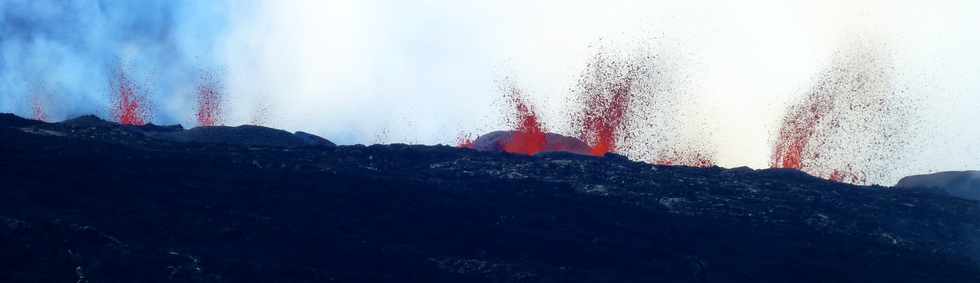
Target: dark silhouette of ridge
[102, 202]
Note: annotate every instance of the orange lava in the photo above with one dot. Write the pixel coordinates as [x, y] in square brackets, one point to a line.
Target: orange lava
[603, 119]
[846, 176]
[798, 129]
[129, 108]
[695, 159]
[529, 139]
[465, 141]
[208, 103]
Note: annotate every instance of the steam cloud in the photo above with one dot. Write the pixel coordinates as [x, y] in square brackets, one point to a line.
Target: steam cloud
[404, 71]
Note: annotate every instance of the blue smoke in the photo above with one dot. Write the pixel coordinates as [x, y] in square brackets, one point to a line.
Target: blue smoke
[69, 49]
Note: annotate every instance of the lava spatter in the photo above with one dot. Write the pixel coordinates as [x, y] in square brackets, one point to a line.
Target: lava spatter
[129, 107]
[39, 108]
[605, 92]
[529, 138]
[209, 101]
[628, 103]
[852, 125]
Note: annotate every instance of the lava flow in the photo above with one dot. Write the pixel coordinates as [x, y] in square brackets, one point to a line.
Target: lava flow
[129, 107]
[209, 97]
[529, 139]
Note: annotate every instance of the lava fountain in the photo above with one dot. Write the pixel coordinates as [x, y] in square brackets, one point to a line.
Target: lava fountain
[626, 104]
[852, 124]
[529, 138]
[129, 108]
[38, 111]
[209, 102]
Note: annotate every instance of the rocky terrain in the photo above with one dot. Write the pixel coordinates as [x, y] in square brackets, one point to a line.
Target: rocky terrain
[964, 184]
[91, 201]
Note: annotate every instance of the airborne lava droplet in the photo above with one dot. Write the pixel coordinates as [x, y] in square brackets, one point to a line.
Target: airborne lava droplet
[129, 108]
[465, 141]
[37, 108]
[852, 124]
[209, 102]
[529, 138]
[626, 104]
[605, 91]
[798, 129]
[603, 119]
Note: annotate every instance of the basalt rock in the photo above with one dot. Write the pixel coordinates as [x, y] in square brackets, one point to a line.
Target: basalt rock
[964, 184]
[110, 204]
[246, 135]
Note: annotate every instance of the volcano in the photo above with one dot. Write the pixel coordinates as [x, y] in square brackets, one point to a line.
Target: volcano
[88, 200]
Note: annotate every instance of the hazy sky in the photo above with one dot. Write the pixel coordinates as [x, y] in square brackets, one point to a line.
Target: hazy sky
[365, 71]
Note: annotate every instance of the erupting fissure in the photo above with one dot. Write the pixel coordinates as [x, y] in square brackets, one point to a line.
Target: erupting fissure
[798, 129]
[209, 102]
[465, 141]
[37, 109]
[605, 91]
[851, 124]
[529, 138]
[129, 107]
[692, 159]
[603, 119]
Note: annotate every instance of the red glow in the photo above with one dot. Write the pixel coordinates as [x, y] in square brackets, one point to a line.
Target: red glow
[691, 159]
[606, 93]
[798, 129]
[129, 108]
[208, 103]
[465, 141]
[529, 138]
[37, 109]
[847, 176]
[603, 119]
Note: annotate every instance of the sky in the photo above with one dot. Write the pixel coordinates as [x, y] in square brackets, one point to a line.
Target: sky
[429, 71]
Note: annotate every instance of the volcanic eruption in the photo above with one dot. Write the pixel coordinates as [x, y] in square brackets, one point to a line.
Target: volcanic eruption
[38, 108]
[627, 103]
[529, 138]
[852, 123]
[129, 106]
[209, 101]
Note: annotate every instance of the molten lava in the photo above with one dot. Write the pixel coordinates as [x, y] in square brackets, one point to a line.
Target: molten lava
[529, 139]
[604, 119]
[129, 107]
[37, 109]
[626, 105]
[605, 91]
[209, 108]
[798, 129]
[853, 123]
[846, 176]
[684, 158]
[465, 141]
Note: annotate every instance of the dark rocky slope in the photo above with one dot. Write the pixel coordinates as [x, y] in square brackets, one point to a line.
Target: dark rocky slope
[963, 184]
[116, 204]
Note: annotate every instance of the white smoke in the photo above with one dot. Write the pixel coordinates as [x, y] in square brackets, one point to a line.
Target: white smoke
[362, 71]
